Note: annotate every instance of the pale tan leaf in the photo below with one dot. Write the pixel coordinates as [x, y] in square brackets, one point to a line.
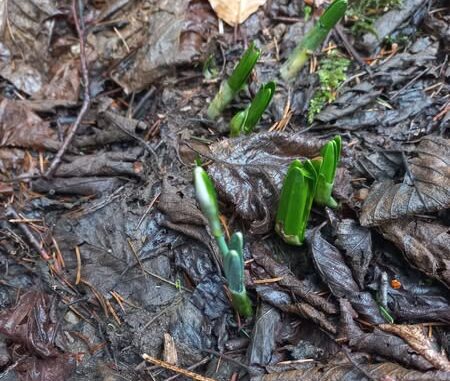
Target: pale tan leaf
[235, 12]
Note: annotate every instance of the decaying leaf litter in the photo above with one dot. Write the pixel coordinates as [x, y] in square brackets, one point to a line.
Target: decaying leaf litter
[110, 258]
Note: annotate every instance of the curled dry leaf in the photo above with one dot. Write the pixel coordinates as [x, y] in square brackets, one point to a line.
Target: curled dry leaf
[428, 191]
[235, 12]
[425, 245]
[415, 337]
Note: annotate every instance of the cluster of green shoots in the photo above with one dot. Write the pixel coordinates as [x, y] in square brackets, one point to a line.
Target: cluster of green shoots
[246, 120]
[332, 72]
[304, 183]
[233, 252]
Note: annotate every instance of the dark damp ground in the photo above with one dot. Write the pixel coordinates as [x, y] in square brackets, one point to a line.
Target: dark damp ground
[109, 257]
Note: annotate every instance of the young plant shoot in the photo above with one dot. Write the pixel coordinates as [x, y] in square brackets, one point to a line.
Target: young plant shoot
[233, 256]
[233, 266]
[313, 39]
[230, 87]
[296, 199]
[326, 172]
[246, 120]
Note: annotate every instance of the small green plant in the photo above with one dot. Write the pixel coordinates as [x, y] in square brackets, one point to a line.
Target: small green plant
[233, 255]
[210, 70]
[245, 121]
[296, 199]
[332, 73]
[230, 87]
[304, 183]
[313, 39]
[326, 172]
[307, 12]
[363, 13]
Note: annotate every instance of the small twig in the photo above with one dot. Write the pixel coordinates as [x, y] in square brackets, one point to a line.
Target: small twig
[227, 358]
[146, 145]
[350, 49]
[86, 94]
[176, 369]
[78, 255]
[192, 367]
[11, 212]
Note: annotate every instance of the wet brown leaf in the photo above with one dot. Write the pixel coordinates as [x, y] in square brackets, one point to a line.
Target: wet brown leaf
[429, 192]
[26, 38]
[425, 245]
[416, 338]
[356, 242]
[235, 12]
[284, 302]
[302, 289]
[378, 342]
[31, 328]
[176, 35]
[21, 127]
[334, 272]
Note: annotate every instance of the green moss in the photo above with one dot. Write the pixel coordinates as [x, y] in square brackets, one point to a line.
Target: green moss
[363, 13]
[332, 72]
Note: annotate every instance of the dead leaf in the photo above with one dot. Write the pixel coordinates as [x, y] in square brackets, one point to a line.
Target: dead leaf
[65, 84]
[235, 12]
[333, 270]
[415, 337]
[428, 192]
[425, 245]
[356, 242]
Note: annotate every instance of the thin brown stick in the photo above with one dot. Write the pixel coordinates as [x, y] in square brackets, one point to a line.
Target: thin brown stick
[176, 369]
[11, 212]
[78, 254]
[86, 94]
[192, 367]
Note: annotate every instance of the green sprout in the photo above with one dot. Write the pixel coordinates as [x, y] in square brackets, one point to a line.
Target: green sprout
[326, 172]
[246, 120]
[233, 256]
[230, 87]
[313, 39]
[332, 73]
[386, 315]
[296, 199]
